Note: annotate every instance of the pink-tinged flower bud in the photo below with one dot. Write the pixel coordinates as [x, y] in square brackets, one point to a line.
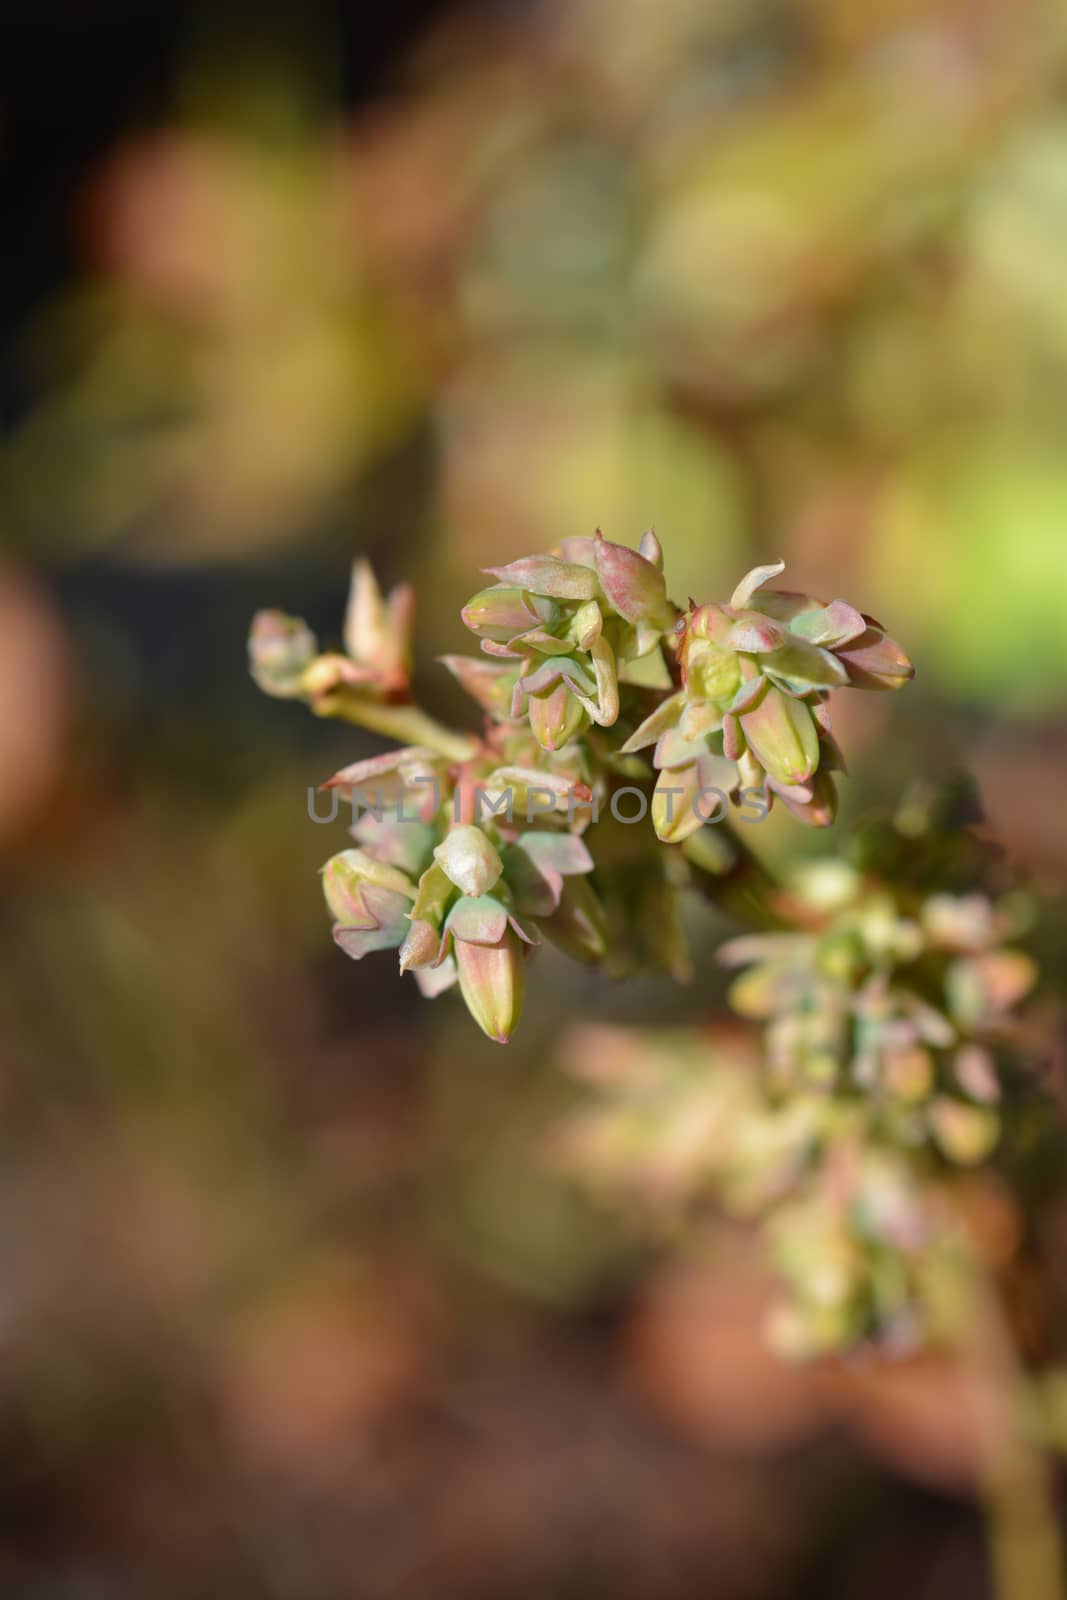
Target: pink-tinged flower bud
[781, 733]
[707, 622]
[556, 717]
[534, 790]
[673, 815]
[813, 802]
[346, 878]
[280, 649]
[411, 776]
[548, 575]
[469, 859]
[377, 632]
[687, 797]
[503, 611]
[369, 902]
[632, 585]
[492, 980]
[875, 661]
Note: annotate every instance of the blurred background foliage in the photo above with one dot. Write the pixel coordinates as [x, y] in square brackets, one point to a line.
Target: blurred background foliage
[290, 1302]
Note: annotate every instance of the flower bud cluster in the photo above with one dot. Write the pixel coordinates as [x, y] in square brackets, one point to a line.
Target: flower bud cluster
[565, 629]
[906, 1005]
[891, 1059]
[752, 711]
[680, 1130]
[885, 998]
[376, 661]
[464, 901]
[585, 663]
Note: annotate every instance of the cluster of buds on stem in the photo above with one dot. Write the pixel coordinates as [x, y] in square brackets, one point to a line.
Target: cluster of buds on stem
[376, 661]
[751, 712]
[464, 893]
[567, 628]
[893, 1066]
[585, 663]
[886, 994]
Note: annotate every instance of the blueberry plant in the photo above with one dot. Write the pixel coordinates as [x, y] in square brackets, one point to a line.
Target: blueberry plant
[879, 1062]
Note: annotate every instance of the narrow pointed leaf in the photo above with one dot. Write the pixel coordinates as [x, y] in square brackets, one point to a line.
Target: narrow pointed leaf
[665, 716]
[752, 581]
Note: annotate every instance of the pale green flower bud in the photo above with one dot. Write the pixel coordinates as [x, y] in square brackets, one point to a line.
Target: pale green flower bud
[503, 612]
[781, 733]
[469, 858]
[556, 717]
[711, 672]
[369, 902]
[345, 877]
[280, 650]
[492, 980]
